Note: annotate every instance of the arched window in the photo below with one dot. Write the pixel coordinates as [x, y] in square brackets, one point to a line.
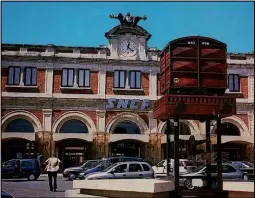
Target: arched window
[74, 126]
[183, 129]
[229, 129]
[20, 125]
[126, 127]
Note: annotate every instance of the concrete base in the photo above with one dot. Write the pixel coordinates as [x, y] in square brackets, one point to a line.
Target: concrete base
[127, 185]
[150, 188]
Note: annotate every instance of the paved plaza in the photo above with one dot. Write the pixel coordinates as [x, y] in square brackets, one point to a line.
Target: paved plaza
[39, 188]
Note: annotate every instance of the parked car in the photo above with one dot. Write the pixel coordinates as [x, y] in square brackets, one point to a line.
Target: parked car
[100, 167]
[184, 166]
[114, 160]
[73, 172]
[229, 172]
[21, 168]
[245, 167]
[108, 162]
[124, 170]
[6, 195]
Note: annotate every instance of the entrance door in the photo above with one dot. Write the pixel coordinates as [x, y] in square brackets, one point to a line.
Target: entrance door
[73, 156]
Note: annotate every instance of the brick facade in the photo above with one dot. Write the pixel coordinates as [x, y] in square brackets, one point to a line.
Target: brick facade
[244, 86]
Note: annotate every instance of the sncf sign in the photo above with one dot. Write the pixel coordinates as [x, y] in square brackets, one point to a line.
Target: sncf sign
[127, 104]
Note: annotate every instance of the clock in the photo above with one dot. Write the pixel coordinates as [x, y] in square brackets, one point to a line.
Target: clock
[128, 48]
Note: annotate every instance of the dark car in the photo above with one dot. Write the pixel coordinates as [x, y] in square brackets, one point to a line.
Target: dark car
[108, 162]
[6, 195]
[73, 172]
[245, 167]
[21, 168]
[229, 172]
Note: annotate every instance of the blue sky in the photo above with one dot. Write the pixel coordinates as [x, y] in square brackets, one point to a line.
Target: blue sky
[84, 23]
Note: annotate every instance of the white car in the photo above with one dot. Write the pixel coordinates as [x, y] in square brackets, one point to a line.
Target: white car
[184, 166]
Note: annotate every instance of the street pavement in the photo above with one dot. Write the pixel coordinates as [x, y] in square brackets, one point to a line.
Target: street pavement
[39, 188]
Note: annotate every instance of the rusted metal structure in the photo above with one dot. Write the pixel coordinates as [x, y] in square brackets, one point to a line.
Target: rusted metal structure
[193, 80]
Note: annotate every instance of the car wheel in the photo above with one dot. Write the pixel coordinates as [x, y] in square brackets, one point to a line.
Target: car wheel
[31, 177]
[188, 184]
[245, 177]
[72, 176]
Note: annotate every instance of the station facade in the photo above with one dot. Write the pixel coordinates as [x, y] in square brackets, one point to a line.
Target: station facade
[93, 102]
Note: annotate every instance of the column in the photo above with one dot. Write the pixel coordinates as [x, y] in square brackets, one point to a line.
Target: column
[251, 88]
[101, 121]
[153, 84]
[102, 82]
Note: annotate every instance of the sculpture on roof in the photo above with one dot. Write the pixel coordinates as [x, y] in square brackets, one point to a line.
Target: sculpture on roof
[128, 19]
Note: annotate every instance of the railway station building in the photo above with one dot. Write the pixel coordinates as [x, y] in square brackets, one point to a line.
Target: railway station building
[93, 102]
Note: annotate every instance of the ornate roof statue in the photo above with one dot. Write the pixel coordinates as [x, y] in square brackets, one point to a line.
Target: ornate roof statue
[128, 19]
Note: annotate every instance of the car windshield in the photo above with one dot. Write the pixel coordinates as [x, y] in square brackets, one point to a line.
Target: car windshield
[108, 168]
[251, 165]
[90, 164]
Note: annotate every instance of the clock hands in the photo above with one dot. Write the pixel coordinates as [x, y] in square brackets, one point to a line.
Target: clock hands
[128, 47]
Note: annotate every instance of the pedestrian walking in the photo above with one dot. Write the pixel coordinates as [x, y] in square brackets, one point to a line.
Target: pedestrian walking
[52, 167]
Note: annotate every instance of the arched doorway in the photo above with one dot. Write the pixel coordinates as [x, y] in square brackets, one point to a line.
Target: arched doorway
[127, 147]
[18, 147]
[183, 130]
[73, 151]
[231, 151]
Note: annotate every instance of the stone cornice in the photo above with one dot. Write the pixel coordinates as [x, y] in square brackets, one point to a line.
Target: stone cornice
[79, 60]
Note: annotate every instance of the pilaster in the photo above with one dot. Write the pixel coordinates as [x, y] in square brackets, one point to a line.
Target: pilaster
[101, 82]
[47, 119]
[49, 81]
[153, 85]
[101, 121]
[152, 123]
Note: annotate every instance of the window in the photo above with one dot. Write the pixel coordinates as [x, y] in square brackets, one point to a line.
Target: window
[228, 169]
[67, 78]
[14, 76]
[83, 78]
[26, 164]
[121, 168]
[74, 126]
[30, 76]
[135, 168]
[20, 125]
[135, 79]
[234, 82]
[161, 164]
[119, 79]
[145, 167]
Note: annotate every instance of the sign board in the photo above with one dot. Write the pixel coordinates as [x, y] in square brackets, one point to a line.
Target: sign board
[132, 104]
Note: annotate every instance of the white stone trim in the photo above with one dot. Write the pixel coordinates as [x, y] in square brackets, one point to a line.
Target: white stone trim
[235, 120]
[135, 137]
[100, 121]
[21, 114]
[64, 136]
[125, 116]
[26, 136]
[194, 130]
[74, 115]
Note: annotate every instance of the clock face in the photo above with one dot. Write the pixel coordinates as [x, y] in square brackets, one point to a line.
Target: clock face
[128, 48]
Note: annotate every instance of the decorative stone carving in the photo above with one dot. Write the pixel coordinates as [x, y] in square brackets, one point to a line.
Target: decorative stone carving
[153, 150]
[101, 145]
[44, 143]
